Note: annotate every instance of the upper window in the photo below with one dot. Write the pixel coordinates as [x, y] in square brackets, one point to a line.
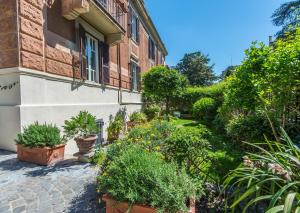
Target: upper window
[134, 26]
[92, 56]
[152, 49]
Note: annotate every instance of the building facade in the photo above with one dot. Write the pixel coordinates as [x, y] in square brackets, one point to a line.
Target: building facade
[58, 57]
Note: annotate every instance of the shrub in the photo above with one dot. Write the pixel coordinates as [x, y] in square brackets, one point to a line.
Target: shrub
[83, 125]
[140, 177]
[189, 149]
[36, 135]
[204, 109]
[268, 176]
[116, 126]
[138, 118]
[152, 111]
[163, 84]
[248, 128]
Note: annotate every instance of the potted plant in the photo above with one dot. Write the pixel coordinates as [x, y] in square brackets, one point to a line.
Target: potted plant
[136, 118]
[40, 144]
[138, 181]
[83, 129]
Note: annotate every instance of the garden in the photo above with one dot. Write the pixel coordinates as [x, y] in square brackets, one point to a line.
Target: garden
[228, 145]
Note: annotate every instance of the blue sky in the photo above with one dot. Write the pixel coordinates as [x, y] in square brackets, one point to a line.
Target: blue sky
[223, 29]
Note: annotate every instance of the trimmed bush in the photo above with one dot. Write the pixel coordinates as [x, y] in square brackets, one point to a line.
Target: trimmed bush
[39, 136]
[138, 118]
[205, 109]
[140, 177]
[152, 111]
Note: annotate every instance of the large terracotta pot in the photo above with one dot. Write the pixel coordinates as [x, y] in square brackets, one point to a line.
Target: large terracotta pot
[43, 156]
[86, 145]
[113, 206]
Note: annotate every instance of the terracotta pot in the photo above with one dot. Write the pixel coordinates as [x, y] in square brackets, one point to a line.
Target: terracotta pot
[113, 206]
[43, 156]
[86, 145]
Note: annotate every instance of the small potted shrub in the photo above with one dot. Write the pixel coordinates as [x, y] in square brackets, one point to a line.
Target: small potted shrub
[83, 129]
[135, 119]
[139, 181]
[40, 144]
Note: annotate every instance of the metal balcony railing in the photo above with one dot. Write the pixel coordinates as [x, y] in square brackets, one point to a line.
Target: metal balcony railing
[115, 9]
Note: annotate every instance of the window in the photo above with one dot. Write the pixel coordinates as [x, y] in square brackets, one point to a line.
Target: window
[92, 55]
[135, 76]
[151, 49]
[134, 26]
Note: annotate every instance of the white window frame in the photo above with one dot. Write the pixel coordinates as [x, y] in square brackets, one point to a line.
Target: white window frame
[92, 75]
[134, 73]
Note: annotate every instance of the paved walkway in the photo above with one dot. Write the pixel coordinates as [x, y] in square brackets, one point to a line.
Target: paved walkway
[24, 187]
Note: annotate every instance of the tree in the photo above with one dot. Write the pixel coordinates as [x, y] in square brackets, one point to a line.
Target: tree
[287, 16]
[196, 67]
[228, 72]
[163, 84]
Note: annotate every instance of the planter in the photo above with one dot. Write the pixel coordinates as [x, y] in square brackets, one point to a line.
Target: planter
[86, 145]
[42, 156]
[113, 206]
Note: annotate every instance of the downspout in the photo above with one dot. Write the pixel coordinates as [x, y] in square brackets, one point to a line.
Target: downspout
[120, 72]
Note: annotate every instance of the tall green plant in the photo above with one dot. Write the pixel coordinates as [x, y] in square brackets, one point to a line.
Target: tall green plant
[270, 175]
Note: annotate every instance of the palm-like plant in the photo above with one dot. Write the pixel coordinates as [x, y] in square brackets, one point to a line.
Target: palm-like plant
[287, 16]
[270, 177]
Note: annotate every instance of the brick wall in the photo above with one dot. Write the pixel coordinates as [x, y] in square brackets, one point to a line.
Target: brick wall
[8, 34]
[47, 42]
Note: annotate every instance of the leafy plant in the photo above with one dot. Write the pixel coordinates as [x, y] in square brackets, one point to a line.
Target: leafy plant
[116, 126]
[205, 109]
[138, 118]
[163, 84]
[83, 125]
[39, 136]
[140, 177]
[152, 111]
[271, 175]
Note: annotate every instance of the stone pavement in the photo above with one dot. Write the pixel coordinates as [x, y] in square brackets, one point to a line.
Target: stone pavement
[68, 187]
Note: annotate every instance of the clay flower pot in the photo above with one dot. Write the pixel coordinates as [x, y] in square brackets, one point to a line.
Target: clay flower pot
[86, 145]
[42, 156]
[113, 206]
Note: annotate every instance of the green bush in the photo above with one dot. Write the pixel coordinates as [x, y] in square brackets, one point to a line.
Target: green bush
[116, 126]
[138, 118]
[152, 111]
[39, 136]
[189, 149]
[205, 109]
[83, 125]
[193, 94]
[249, 128]
[269, 176]
[140, 177]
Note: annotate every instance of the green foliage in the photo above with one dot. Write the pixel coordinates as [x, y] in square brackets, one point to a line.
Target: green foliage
[152, 111]
[140, 177]
[189, 149]
[269, 175]
[229, 71]
[138, 118]
[249, 128]
[196, 67]
[99, 157]
[287, 17]
[83, 125]
[162, 84]
[192, 94]
[36, 135]
[116, 126]
[205, 109]
[268, 80]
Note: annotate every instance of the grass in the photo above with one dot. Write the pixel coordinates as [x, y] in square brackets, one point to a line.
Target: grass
[225, 155]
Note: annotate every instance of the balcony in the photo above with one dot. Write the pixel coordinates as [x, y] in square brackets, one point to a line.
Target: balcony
[107, 16]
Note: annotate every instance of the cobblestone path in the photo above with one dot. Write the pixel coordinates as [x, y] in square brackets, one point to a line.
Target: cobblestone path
[24, 187]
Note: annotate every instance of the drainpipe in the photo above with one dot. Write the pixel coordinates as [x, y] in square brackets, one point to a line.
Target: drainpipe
[120, 72]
